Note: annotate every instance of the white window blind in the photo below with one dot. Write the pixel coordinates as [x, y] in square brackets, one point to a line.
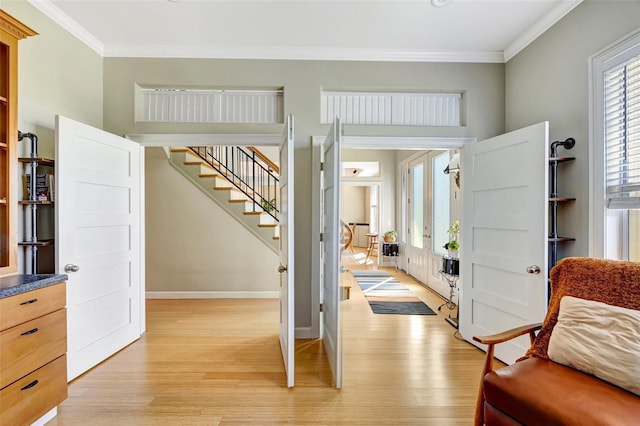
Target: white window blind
[622, 135]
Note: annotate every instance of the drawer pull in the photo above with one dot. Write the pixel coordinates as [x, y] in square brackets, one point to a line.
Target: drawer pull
[28, 302]
[35, 330]
[30, 385]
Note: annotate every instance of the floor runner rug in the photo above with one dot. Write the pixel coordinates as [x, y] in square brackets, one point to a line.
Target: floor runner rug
[388, 296]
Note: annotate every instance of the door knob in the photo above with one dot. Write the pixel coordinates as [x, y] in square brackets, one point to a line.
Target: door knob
[533, 269]
[281, 269]
[71, 268]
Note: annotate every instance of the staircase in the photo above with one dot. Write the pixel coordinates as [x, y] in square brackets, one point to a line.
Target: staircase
[240, 181]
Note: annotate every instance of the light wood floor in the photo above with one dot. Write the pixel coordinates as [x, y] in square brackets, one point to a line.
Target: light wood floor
[218, 362]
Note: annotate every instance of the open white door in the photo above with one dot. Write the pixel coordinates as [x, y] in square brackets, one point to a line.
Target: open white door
[98, 219]
[331, 331]
[504, 236]
[287, 278]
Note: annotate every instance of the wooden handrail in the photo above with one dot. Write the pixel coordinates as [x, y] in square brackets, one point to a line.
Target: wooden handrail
[273, 166]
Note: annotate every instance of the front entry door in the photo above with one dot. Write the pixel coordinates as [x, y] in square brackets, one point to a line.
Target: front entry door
[504, 236]
[287, 278]
[437, 216]
[331, 331]
[428, 217]
[98, 223]
[418, 236]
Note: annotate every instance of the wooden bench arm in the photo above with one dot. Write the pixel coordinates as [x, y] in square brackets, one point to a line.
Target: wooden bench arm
[491, 341]
[508, 335]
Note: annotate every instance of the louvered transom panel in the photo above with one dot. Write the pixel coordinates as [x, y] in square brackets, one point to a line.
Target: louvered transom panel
[211, 106]
[402, 109]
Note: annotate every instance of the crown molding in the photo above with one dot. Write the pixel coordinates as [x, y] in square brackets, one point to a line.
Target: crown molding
[303, 53]
[538, 28]
[62, 19]
[300, 53]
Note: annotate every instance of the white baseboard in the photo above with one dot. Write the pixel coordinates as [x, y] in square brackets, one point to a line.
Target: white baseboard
[212, 294]
[304, 333]
[47, 417]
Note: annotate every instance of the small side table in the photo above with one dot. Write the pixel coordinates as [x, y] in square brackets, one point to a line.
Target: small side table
[450, 273]
[391, 250]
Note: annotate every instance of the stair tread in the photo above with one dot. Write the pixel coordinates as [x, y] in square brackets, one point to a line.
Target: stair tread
[222, 183]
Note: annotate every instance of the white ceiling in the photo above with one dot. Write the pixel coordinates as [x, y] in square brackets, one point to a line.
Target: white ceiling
[401, 30]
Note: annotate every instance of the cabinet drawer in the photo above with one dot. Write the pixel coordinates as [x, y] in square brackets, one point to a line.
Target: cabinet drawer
[32, 344]
[28, 399]
[23, 307]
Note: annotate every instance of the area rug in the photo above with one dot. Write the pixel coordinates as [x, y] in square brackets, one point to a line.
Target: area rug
[386, 295]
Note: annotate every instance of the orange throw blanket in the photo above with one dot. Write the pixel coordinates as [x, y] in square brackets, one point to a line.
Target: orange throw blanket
[609, 281]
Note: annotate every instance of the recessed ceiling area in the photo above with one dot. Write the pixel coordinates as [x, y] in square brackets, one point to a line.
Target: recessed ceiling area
[387, 30]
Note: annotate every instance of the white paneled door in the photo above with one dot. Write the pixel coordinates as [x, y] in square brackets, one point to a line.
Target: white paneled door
[287, 277]
[504, 235]
[331, 331]
[98, 240]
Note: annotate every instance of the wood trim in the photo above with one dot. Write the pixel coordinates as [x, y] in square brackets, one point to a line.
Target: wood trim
[14, 27]
[264, 158]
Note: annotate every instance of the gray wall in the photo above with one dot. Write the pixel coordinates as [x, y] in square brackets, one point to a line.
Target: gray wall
[549, 81]
[482, 84]
[57, 74]
[192, 244]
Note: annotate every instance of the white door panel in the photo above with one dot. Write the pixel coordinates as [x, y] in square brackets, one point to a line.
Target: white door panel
[331, 331]
[98, 220]
[287, 277]
[504, 231]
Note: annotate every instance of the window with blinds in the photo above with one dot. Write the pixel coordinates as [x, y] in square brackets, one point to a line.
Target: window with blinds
[622, 135]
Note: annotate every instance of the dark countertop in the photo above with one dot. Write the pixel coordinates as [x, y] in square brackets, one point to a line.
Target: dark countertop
[22, 283]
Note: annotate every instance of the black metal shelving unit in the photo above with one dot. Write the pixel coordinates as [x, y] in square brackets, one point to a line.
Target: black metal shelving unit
[31, 241]
[555, 200]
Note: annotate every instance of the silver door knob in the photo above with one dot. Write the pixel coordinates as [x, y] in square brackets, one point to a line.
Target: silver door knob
[533, 269]
[71, 268]
[281, 269]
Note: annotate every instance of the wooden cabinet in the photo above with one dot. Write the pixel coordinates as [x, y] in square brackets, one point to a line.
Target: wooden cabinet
[11, 31]
[33, 342]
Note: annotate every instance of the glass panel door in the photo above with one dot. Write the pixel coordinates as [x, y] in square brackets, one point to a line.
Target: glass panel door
[417, 205]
